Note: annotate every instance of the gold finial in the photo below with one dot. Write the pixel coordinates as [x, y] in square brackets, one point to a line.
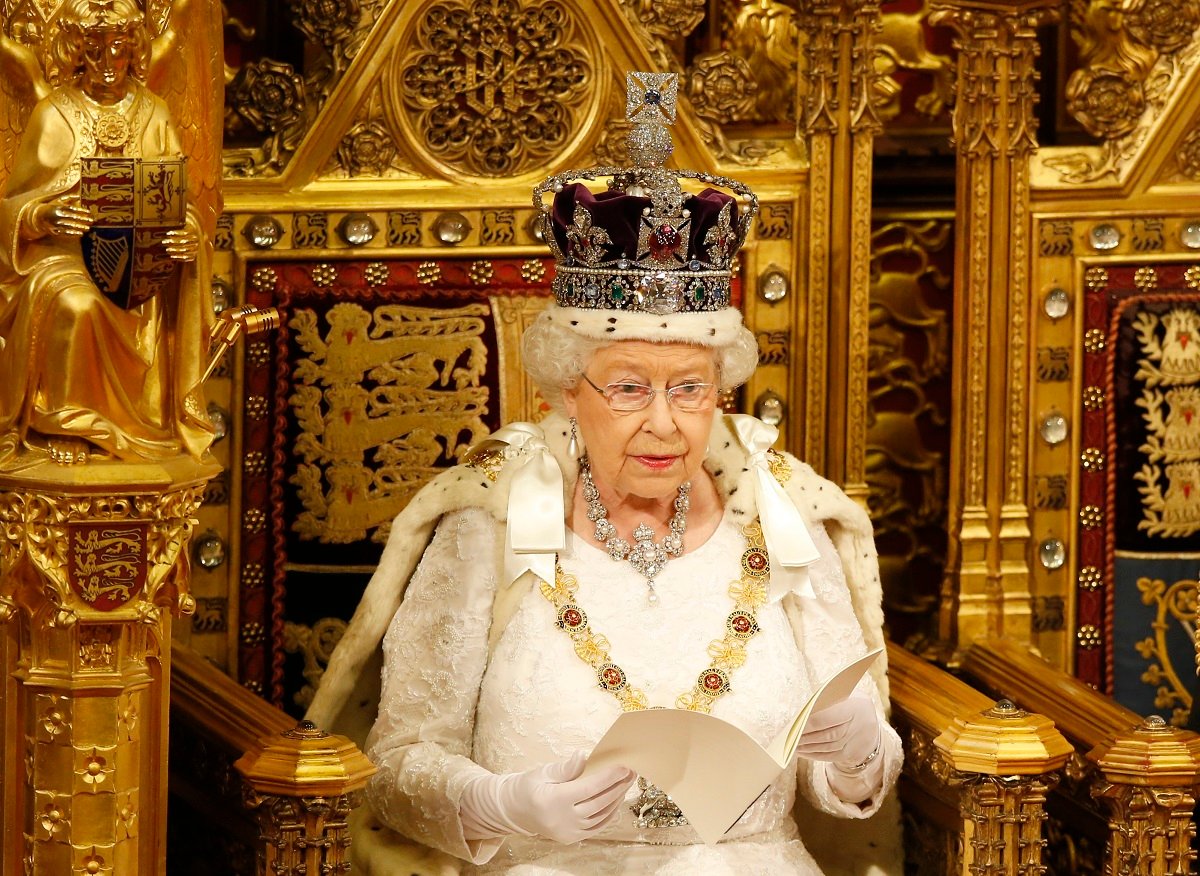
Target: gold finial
[1006, 709]
[305, 730]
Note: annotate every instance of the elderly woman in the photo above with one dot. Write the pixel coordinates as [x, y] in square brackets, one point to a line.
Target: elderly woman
[606, 562]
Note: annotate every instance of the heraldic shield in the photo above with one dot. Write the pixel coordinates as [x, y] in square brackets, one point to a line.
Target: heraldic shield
[107, 561]
[134, 202]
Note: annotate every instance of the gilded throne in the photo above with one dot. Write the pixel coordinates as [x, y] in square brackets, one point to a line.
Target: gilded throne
[996, 368]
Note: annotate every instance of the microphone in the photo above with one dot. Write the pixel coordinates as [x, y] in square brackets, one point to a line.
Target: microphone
[232, 324]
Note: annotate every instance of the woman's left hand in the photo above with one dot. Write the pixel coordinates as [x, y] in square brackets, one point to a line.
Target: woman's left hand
[845, 734]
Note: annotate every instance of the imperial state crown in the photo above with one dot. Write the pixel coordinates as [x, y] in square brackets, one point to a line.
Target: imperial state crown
[645, 245]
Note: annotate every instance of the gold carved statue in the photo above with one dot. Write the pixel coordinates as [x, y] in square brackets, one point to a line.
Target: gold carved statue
[105, 314]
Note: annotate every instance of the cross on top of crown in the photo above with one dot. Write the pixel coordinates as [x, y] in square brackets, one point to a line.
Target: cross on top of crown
[650, 98]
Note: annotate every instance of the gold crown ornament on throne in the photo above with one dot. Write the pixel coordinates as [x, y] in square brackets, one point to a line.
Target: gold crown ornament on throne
[646, 258]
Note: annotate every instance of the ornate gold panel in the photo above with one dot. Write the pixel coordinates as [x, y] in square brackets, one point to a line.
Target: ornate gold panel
[905, 45]
[1119, 49]
[90, 576]
[1135, 90]
[493, 88]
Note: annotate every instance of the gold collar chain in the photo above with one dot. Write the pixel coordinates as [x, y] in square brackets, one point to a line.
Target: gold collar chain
[748, 592]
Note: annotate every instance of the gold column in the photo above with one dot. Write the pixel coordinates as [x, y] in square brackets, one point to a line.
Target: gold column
[839, 126]
[91, 572]
[1152, 774]
[987, 585]
[1003, 760]
[302, 785]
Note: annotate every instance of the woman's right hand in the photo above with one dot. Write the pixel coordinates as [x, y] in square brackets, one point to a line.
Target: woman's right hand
[65, 218]
[553, 800]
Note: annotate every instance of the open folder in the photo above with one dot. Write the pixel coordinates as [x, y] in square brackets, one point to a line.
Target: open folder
[712, 770]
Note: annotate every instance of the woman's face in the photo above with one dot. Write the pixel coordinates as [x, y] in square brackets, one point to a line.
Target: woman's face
[646, 453]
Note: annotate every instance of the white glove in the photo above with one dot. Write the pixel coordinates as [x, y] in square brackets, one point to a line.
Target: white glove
[551, 801]
[848, 737]
[846, 734]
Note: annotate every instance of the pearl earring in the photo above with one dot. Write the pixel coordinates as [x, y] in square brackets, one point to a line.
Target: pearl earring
[573, 443]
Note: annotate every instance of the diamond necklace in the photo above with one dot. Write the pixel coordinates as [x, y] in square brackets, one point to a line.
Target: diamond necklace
[646, 556]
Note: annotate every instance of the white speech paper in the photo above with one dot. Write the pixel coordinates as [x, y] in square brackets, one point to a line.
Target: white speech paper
[712, 770]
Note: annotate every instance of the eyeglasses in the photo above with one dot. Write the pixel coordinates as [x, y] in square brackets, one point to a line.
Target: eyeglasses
[635, 396]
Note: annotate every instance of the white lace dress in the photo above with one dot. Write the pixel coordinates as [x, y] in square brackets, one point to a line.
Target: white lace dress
[448, 711]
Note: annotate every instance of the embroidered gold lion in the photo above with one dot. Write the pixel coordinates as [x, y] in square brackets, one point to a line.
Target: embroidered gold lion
[1170, 401]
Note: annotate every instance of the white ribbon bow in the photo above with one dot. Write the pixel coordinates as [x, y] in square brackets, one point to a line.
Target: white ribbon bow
[788, 541]
[536, 528]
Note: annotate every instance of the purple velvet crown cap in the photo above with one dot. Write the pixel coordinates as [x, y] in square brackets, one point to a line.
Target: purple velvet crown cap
[620, 215]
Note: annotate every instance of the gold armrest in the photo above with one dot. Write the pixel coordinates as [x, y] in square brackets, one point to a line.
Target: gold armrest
[1085, 716]
[1146, 773]
[217, 706]
[300, 782]
[929, 698]
[976, 772]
